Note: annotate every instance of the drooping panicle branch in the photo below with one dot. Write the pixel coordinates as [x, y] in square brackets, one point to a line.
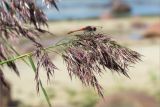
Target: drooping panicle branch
[22, 19]
[44, 61]
[90, 54]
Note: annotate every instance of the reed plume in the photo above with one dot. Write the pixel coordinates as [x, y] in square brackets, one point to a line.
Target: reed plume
[90, 54]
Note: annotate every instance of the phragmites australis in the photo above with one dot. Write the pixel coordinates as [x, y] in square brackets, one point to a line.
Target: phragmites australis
[86, 56]
[91, 53]
[22, 19]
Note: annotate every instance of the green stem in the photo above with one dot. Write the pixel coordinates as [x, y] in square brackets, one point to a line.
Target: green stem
[30, 54]
[15, 58]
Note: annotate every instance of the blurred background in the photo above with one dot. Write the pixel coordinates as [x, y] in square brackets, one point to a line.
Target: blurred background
[132, 23]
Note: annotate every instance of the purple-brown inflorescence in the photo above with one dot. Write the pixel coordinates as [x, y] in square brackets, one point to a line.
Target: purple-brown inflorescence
[22, 19]
[90, 54]
[44, 61]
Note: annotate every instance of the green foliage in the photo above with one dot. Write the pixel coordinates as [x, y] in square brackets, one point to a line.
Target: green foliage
[86, 98]
[89, 99]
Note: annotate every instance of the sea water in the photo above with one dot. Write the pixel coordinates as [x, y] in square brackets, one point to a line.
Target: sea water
[82, 9]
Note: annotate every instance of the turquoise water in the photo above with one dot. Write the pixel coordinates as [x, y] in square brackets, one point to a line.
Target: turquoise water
[81, 9]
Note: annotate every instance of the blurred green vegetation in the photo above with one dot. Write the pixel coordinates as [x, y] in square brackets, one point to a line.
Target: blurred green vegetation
[86, 98]
[154, 78]
[51, 93]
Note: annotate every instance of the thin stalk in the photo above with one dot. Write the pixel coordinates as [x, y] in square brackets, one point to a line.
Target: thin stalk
[30, 54]
[15, 58]
[41, 86]
[14, 50]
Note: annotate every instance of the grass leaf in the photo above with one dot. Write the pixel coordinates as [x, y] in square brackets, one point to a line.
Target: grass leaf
[41, 86]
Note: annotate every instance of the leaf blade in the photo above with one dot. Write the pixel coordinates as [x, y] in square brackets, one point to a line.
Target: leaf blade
[41, 85]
